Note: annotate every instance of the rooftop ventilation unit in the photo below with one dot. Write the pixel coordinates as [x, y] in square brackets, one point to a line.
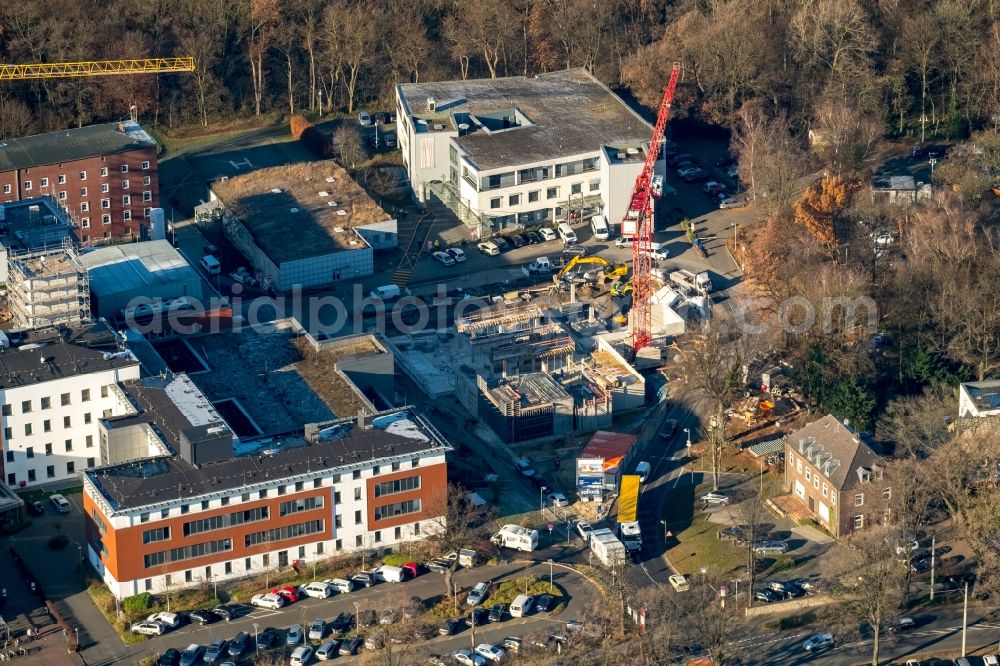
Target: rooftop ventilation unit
[431, 105]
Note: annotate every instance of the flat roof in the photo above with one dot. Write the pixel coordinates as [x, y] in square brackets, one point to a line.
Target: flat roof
[608, 445]
[342, 444]
[73, 144]
[555, 114]
[35, 363]
[117, 268]
[300, 210]
[985, 394]
[33, 223]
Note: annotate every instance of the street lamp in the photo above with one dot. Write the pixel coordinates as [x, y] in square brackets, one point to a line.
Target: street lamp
[357, 617]
[551, 586]
[256, 645]
[541, 499]
[687, 431]
[704, 573]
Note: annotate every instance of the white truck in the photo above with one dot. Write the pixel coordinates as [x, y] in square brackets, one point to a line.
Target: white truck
[692, 283]
[631, 535]
[607, 547]
[516, 537]
[540, 266]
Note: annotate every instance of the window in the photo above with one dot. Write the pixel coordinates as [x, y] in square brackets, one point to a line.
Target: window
[104, 171]
[154, 535]
[229, 568]
[105, 219]
[27, 185]
[83, 192]
[317, 483]
[146, 180]
[27, 429]
[12, 480]
[184, 509]
[10, 456]
[859, 499]
[224, 501]
[798, 465]
[147, 196]
[144, 165]
[299, 485]
[514, 199]
[26, 407]
[6, 411]
[70, 468]
[859, 522]
[187, 574]
[47, 425]
[62, 195]
[378, 536]
[398, 534]
[204, 505]
[6, 188]
[224, 521]
[339, 544]
[395, 466]
[105, 203]
[262, 494]
[594, 185]
[125, 185]
[816, 481]
[87, 417]
[337, 521]
[8, 433]
[357, 517]
[105, 188]
[165, 513]
[357, 474]
[69, 445]
[48, 449]
[67, 422]
[83, 175]
[825, 490]
[126, 200]
[43, 182]
[358, 540]
[85, 207]
[89, 441]
[85, 223]
[399, 509]
[494, 181]
[808, 475]
[552, 193]
[319, 548]
[495, 202]
[887, 494]
[281, 490]
[357, 494]
[878, 473]
[85, 395]
[304, 504]
[397, 486]
[61, 179]
[90, 462]
[283, 533]
[50, 471]
[187, 552]
[576, 188]
[245, 497]
[336, 497]
[124, 168]
[30, 451]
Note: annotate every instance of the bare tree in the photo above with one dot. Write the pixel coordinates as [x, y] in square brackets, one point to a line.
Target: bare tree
[911, 493]
[834, 35]
[15, 119]
[918, 425]
[348, 34]
[845, 139]
[460, 524]
[752, 513]
[349, 145]
[262, 20]
[486, 27]
[709, 624]
[869, 580]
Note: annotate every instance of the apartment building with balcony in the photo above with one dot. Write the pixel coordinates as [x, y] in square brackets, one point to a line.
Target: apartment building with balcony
[522, 151]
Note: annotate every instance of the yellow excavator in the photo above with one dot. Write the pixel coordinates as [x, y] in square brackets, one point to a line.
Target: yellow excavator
[621, 288]
[609, 273]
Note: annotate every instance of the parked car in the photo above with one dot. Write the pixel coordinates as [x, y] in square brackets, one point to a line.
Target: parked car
[215, 652]
[512, 643]
[918, 153]
[192, 653]
[677, 159]
[668, 429]
[502, 243]
[903, 625]
[168, 620]
[61, 504]
[687, 170]
[545, 603]
[239, 646]
[516, 240]
[457, 254]
[547, 234]
[341, 624]
[733, 202]
[679, 583]
[786, 590]
[714, 498]
[317, 590]
[584, 529]
[533, 237]
[269, 600]
[493, 653]
[480, 615]
[301, 656]
[713, 186]
[147, 628]
[328, 650]
[368, 618]
[317, 630]
[390, 140]
[468, 658]
[438, 565]
[498, 612]
[558, 499]
[478, 594]
[489, 248]
[443, 258]
[451, 627]
[818, 642]
[733, 172]
[204, 617]
[268, 638]
[736, 533]
[295, 635]
[365, 119]
[36, 508]
[375, 641]
[290, 593]
[227, 613]
[170, 657]
[766, 596]
[350, 646]
[363, 579]
[771, 547]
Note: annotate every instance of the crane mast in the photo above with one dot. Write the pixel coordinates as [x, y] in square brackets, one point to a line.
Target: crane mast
[638, 224]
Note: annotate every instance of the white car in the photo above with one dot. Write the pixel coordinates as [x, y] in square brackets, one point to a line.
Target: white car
[714, 498]
[584, 528]
[468, 658]
[657, 185]
[365, 119]
[443, 258]
[771, 547]
[317, 590]
[477, 594]
[623, 241]
[317, 630]
[818, 642]
[168, 620]
[712, 185]
[328, 650]
[558, 499]
[679, 583]
[489, 248]
[61, 503]
[547, 234]
[493, 653]
[991, 660]
[732, 202]
[273, 601]
[733, 172]
[147, 628]
[456, 254]
[687, 171]
[301, 656]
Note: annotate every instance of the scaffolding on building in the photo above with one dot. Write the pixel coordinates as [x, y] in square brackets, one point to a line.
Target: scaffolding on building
[48, 287]
[479, 225]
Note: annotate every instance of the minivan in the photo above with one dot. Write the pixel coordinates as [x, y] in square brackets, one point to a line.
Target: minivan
[522, 605]
[61, 503]
[340, 585]
[547, 234]
[566, 233]
[385, 292]
[642, 469]
[211, 265]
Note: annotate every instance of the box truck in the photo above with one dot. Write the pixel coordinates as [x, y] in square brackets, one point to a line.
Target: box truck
[606, 546]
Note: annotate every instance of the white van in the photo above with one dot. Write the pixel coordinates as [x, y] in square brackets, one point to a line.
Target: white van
[642, 470]
[211, 265]
[522, 606]
[386, 292]
[566, 233]
[599, 224]
[389, 574]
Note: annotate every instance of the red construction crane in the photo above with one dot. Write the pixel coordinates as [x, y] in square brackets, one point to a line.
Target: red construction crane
[638, 224]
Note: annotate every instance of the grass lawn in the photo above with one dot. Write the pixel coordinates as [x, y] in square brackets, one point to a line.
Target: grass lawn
[695, 543]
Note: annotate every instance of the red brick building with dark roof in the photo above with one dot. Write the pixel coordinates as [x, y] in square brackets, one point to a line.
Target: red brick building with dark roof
[104, 176]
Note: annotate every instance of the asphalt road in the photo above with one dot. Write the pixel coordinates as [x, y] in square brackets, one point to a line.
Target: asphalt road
[429, 587]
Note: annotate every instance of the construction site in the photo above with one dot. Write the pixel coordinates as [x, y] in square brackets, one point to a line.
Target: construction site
[47, 288]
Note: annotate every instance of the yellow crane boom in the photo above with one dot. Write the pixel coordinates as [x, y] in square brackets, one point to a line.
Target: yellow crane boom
[96, 68]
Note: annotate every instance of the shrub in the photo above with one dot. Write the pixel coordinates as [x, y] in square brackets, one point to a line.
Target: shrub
[395, 559]
[298, 125]
[58, 542]
[137, 603]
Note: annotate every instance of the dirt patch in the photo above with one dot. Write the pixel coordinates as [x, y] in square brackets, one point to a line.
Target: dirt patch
[317, 368]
